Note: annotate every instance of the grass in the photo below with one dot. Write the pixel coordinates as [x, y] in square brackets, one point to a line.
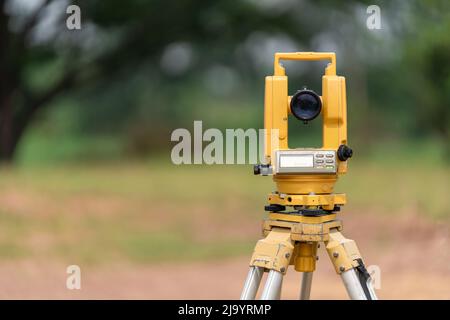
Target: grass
[147, 211]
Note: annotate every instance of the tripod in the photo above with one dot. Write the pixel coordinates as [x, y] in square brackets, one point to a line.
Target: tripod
[293, 239]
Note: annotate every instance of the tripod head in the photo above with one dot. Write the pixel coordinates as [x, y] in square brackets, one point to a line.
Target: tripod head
[305, 170]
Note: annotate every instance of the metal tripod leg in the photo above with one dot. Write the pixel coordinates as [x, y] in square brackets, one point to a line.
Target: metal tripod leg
[358, 287]
[272, 253]
[349, 265]
[305, 291]
[272, 289]
[252, 283]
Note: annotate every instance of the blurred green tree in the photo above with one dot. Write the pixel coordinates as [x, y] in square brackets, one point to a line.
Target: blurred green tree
[157, 51]
[116, 36]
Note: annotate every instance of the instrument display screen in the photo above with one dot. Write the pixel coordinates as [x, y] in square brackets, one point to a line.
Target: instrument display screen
[305, 161]
[296, 160]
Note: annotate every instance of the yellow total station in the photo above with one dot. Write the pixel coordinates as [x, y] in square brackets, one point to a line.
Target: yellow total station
[302, 211]
[305, 171]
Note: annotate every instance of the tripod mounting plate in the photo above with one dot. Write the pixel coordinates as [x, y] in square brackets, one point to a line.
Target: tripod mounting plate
[294, 218]
[303, 228]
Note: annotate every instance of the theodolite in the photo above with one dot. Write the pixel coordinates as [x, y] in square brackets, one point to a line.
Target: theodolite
[302, 212]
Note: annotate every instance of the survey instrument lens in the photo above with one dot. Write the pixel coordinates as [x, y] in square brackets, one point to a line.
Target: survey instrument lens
[306, 105]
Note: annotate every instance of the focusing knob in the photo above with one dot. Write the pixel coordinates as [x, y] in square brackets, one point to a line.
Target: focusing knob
[344, 152]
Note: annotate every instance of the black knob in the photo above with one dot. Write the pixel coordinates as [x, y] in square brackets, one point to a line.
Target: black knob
[344, 152]
[256, 169]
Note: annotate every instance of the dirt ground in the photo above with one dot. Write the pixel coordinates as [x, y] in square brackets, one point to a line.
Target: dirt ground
[412, 253]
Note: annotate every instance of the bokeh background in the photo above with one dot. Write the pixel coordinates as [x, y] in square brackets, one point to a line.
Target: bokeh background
[85, 122]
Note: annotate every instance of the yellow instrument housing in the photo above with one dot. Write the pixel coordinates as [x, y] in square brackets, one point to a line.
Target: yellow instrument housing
[334, 122]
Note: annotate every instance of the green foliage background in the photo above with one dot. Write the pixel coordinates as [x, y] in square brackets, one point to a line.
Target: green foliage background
[130, 89]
